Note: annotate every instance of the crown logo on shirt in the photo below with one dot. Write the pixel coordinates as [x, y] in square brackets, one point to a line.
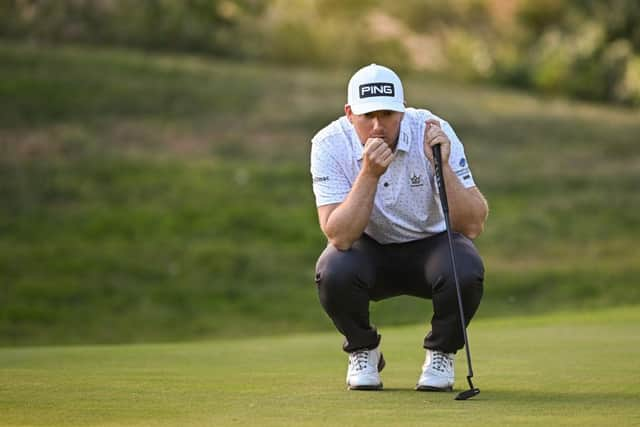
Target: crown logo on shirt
[416, 180]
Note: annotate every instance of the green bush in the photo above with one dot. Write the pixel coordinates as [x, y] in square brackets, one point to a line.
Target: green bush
[577, 48]
[193, 25]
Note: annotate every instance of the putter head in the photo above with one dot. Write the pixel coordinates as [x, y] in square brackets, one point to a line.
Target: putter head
[468, 394]
[473, 391]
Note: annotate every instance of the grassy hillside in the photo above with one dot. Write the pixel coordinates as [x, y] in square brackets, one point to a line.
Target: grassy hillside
[149, 197]
[569, 370]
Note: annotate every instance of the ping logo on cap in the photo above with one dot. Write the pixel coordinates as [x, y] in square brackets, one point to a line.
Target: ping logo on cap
[377, 89]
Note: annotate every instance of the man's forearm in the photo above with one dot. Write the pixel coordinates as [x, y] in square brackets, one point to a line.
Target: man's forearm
[347, 222]
[467, 208]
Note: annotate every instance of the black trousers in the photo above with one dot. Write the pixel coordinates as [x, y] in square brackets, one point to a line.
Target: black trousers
[348, 280]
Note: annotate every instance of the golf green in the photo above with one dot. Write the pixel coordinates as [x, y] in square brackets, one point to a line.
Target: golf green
[562, 369]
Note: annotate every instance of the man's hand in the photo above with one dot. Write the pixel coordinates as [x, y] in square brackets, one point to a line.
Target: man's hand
[377, 157]
[433, 134]
[343, 223]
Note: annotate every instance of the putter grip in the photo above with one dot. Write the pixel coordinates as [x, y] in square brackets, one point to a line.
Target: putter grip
[437, 160]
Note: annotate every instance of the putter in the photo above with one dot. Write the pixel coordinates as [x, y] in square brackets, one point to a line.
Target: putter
[437, 157]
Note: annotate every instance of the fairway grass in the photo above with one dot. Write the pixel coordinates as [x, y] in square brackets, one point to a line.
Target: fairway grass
[560, 369]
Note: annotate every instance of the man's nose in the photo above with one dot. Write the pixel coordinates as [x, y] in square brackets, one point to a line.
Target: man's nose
[376, 123]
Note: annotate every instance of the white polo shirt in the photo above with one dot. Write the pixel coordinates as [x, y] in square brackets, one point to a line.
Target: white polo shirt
[407, 204]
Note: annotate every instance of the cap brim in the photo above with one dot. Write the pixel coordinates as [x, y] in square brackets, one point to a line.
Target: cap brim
[377, 105]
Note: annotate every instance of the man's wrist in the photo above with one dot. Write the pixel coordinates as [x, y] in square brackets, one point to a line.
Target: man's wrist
[369, 176]
[446, 167]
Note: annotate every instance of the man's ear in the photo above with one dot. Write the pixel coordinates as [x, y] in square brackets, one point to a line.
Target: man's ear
[348, 112]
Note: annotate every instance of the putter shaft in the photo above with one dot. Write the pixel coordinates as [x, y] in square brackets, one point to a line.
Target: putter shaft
[437, 156]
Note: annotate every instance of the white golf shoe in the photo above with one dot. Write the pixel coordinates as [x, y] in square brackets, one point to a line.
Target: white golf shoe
[437, 372]
[364, 370]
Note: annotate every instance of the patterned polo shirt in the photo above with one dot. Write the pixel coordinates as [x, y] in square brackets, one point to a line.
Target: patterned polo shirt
[407, 204]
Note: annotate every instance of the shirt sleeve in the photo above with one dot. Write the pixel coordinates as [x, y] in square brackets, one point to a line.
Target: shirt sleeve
[330, 183]
[457, 159]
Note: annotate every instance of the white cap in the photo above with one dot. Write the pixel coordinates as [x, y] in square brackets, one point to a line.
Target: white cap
[374, 88]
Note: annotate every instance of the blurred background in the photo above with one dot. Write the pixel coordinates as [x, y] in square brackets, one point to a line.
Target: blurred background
[154, 156]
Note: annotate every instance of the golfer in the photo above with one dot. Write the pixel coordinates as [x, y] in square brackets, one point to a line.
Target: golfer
[378, 205]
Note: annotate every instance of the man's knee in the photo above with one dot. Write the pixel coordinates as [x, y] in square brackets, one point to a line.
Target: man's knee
[471, 275]
[338, 272]
[469, 269]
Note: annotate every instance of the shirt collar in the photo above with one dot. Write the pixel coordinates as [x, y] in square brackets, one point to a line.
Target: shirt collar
[404, 139]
